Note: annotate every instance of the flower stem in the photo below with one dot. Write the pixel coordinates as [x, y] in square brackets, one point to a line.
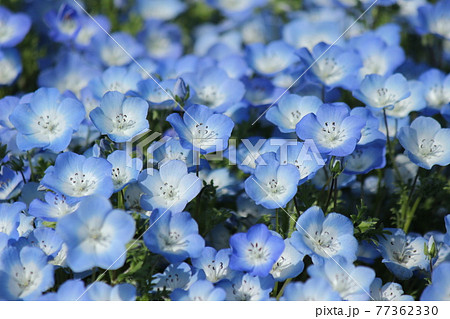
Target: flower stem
[30, 165]
[280, 293]
[389, 148]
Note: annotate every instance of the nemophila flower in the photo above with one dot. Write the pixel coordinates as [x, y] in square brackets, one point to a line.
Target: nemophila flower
[290, 109]
[70, 290]
[415, 102]
[160, 9]
[379, 92]
[289, 264]
[366, 158]
[125, 169]
[161, 40]
[261, 91]
[47, 240]
[215, 264]
[48, 121]
[336, 67]
[234, 65]
[10, 66]
[10, 218]
[352, 283]
[214, 88]
[235, 9]
[56, 205]
[169, 149]
[171, 187]
[433, 18]
[314, 289]
[402, 254]
[14, 27]
[201, 290]
[173, 235]
[303, 33]
[333, 129]
[223, 179]
[255, 251]
[25, 273]
[370, 131]
[245, 287]
[437, 89]
[179, 275]
[377, 56]
[425, 142]
[11, 182]
[120, 117]
[447, 226]
[201, 129]
[115, 78]
[304, 156]
[72, 72]
[390, 291]
[323, 238]
[100, 291]
[64, 23]
[96, 235]
[111, 54]
[26, 225]
[439, 289]
[273, 184]
[271, 58]
[158, 95]
[89, 29]
[77, 176]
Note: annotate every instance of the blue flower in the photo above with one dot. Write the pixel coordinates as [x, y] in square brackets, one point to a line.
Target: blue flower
[377, 56]
[323, 238]
[115, 78]
[47, 240]
[439, 290]
[290, 109]
[48, 121]
[160, 9]
[271, 58]
[89, 29]
[289, 264]
[9, 218]
[215, 264]
[172, 187]
[125, 169]
[352, 283]
[255, 251]
[370, 131]
[64, 24]
[179, 275]
[304, 156]
[306, 33]
[158, 98]
[314, 289]
[379, 92]
[161, 40]
[15, 27]
[174, 236]
[96, 235]
[335, 66]
[169, 149]
[437, 89]
[250, 150]
[390, 291]
[433, 18]
[214, 88]
[235, 10]
[366, 158]
[415, 102]
[245, 287]
[273, 184]
[56, 205]
[402, 254]
[201, 129]
[261, 91]
[10, 66]
[110, 51]
[11, 182]
[70, 290]
[201, 290]
[333, 130]
[100, 291]
[426, 143]
[25, 273]
[120, 117]
[77, 176]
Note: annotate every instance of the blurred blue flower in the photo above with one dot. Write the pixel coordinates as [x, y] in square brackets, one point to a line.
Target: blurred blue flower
[438, 290]
[201, 290]
[14, 27]
[64, 23]
[271, 58]
[115, 78]
[314, 289]
[111, 52]
[10, 66]
[9, 218]
[96, 235]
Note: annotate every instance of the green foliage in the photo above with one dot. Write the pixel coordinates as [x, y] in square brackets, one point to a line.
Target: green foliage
[366, 227]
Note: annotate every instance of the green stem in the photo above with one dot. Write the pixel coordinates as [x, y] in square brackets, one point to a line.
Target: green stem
[30, 165]
[280, 293]
[410, 214]
[120, 197]
[277, 223]
[330, 192]
[389, 148]
[413, 184]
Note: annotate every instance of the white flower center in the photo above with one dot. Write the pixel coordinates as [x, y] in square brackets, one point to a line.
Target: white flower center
[332, 134]
[215, 271]
[428, 148]
[257, 254]
[82, 184]
[210, 95]
[122, 122]
[385, 97]
[329, 71]
[323, 243]
[275, 188]
[48, 125]
[119, 177]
